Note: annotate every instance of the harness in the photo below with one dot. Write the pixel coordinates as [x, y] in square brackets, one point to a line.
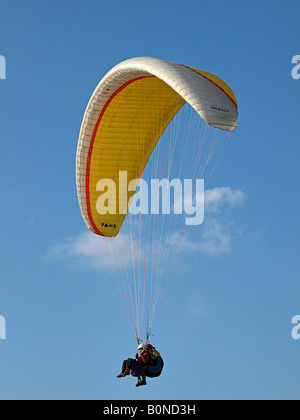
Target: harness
[153, 371]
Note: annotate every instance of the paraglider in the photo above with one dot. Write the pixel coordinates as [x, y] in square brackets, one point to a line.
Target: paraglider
[148, 363]
[127, 115]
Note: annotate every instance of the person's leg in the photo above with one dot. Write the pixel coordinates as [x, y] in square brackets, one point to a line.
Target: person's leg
[125, 368]
[142, 377]
[128, 365]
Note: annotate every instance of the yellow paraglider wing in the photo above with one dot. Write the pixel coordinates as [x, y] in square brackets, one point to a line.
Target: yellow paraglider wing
[125, 118]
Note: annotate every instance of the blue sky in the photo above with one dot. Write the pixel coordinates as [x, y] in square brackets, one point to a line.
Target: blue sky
[228, 315]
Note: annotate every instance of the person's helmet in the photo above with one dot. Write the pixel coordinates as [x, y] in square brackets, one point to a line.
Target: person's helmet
[142, 347]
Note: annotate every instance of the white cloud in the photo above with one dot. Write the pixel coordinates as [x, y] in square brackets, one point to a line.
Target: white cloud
[214, 238]
[217, 232]
[217, 197]
[94, 251]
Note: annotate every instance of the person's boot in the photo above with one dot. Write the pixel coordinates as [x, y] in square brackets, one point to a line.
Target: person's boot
[123, 374]
[141, 382]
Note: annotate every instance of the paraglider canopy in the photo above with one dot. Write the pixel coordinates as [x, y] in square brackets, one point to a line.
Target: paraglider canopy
[126, 116]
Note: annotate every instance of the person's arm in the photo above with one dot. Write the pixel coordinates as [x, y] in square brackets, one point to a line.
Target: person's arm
[145, 357]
